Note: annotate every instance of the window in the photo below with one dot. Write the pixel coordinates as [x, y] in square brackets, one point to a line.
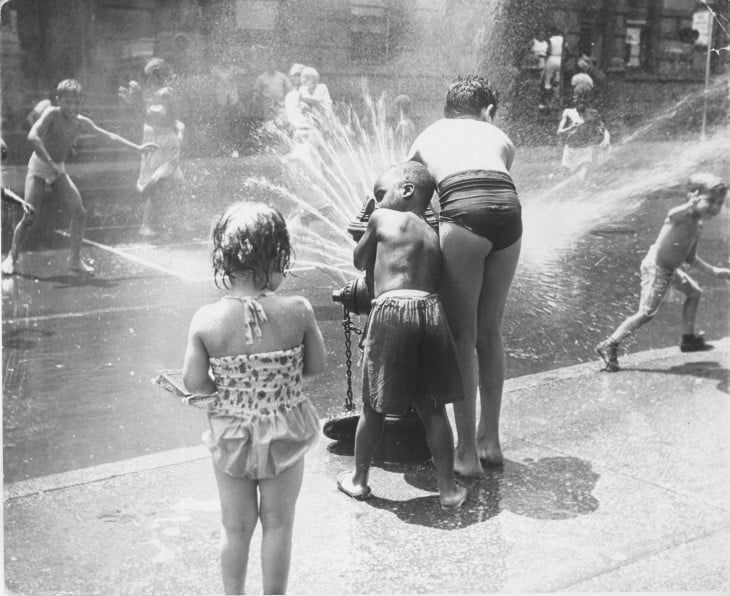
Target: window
[369, 31]
[635, 44]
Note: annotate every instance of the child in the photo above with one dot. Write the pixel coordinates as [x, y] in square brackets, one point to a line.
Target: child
[663, 267]
[409, 355]
[405, 130]
[160, 174]
[258, 346]
[52, 137]
[584, 130]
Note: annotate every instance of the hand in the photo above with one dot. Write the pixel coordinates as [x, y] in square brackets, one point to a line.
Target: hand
[369, 206]
[148, 147]
[605, 143]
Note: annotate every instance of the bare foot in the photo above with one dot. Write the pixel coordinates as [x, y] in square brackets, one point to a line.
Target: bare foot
[79, 266]
[490, 456]
[454, 498]
[356, 491]
[468, 466]
[9, 265]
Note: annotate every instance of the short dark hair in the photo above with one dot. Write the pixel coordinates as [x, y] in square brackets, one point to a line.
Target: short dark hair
[415, 173]
[250, 237]
[467, 96]
[68, 87]
[708, 183]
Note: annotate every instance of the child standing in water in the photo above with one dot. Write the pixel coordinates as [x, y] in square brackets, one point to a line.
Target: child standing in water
[52, 137]
[662, 268]
[254, 347]
[409, 356]
[160, 175]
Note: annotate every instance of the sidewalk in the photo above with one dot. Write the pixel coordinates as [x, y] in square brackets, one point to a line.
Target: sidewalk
[613, 482]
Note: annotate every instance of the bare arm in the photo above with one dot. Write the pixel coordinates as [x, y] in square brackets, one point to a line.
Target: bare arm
[90, 128]
[563, 126]
[196, 375]
[510, 154]
[315, 356]
[364, 255]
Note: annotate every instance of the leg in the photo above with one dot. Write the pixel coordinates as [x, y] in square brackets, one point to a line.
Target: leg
[368, 433]
[499, 269]
[278, 503]
[239, 515]
[441, 443]
[692, 291]
[145, 229]
[630, 325]
[69, 194]
[463, 255]
[34, 191]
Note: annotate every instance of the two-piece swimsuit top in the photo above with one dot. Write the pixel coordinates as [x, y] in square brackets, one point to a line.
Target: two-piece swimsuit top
[260, 421]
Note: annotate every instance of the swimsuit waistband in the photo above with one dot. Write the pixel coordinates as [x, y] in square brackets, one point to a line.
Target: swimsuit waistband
[489, 180]
[404, 293]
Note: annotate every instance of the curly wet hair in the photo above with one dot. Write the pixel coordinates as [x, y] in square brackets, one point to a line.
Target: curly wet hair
[250, 237]
[707, 183]
[467, 96]
[69, 88]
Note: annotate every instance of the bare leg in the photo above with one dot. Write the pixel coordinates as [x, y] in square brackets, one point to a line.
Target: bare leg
[34, 191]
[693, 293]
[368, 433]
[630, 325]
[71, 197]
[441, 443]
[499, 269]
[239, 515]
[463, 255]
[278, 504]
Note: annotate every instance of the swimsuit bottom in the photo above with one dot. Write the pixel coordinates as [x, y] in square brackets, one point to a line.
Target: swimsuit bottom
[484, 202]
[40, 169]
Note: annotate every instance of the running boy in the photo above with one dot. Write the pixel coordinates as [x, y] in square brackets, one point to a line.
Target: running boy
[409, 355]
[52, 137]
[663, 267]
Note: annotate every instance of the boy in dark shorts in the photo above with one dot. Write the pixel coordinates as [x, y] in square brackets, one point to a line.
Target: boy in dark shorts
[662, 268]
[409, 354]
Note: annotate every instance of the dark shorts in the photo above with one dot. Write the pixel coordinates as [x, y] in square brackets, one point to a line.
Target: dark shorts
[483, 202]
[409, 356]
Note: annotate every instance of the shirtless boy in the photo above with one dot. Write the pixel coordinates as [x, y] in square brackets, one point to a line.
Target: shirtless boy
[663, 267]
[480, 225]
[52, 137]
[409, 357]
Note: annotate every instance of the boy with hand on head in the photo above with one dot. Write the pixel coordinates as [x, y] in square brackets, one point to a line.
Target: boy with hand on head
[52, 137]
[675, 247]
[409, 356]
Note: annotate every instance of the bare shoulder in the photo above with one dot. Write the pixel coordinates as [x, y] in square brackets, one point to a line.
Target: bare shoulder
[205, 317]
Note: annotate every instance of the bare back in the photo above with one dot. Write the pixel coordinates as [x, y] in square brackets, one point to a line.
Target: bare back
[677, 241]
[407, 254]
[453, 145]
[222, 324]
[58, 132]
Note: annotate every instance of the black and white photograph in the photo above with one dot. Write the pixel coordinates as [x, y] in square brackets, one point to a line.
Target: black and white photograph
[365, 296]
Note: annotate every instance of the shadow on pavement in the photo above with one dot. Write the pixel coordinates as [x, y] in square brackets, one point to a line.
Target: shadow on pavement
[704, 369]
[24, 338]
[73, 281]
[550, 488]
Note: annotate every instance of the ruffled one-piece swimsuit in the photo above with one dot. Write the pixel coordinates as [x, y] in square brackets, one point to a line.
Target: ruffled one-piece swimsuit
[260, 421]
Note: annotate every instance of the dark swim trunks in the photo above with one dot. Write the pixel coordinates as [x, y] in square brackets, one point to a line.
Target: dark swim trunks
[409, 355]
[484, 202]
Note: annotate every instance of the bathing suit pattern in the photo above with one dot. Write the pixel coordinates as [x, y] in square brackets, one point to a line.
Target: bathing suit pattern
[260, 422]
[484, 202]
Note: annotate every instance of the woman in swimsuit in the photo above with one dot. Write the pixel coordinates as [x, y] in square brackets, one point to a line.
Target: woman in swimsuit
[480, 233]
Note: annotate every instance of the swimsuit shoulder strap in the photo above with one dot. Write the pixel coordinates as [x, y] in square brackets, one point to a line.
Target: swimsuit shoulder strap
[253, 316]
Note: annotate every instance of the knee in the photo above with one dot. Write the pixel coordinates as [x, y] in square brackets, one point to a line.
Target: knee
[238, 525]
[489, 338]
[276, 518]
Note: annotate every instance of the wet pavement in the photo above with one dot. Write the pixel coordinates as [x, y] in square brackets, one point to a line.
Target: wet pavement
[108, 490]
[612, 482]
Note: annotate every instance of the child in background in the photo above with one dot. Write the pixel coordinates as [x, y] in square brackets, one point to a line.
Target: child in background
[584, 130]
[160, 175]
[254, 347]
[663, 267]
[52, 137]
[405, 130]
[409, 355]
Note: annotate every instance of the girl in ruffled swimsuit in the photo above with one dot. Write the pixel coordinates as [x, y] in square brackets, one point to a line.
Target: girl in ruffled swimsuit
[252, 348]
